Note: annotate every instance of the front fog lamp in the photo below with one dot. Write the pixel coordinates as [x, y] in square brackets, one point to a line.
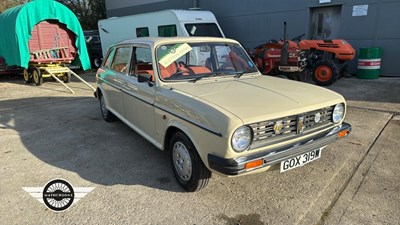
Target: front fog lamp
[241, 139]
[338, 113]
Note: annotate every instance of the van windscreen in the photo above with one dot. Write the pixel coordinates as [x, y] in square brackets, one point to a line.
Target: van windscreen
[203, 29]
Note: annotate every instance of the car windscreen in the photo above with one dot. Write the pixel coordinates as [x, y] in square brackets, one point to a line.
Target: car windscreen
[193, 61]
[203, 29]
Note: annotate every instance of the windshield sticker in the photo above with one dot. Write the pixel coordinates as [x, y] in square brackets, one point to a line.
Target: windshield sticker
[173, 53]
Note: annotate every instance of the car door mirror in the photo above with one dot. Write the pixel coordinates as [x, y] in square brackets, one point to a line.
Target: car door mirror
[145, 78]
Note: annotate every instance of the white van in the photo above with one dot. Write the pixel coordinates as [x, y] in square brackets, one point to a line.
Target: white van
[166, 23]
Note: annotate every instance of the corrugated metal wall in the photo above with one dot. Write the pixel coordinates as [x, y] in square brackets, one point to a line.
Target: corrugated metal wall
[253, 22]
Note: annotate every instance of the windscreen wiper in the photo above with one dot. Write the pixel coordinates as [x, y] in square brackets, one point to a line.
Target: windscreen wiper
[206, 75]
[239, 74]
[196, 79]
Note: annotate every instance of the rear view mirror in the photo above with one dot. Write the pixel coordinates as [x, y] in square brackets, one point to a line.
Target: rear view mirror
[205, 48]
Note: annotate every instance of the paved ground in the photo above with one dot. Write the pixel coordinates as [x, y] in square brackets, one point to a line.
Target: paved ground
[47, 133]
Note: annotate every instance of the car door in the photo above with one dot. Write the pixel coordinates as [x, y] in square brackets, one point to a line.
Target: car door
[114, 77]
[138, 98]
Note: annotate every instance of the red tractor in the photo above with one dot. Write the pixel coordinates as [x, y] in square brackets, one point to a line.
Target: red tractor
[324, 60]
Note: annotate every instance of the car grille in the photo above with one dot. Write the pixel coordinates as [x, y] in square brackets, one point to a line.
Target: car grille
[285, 128]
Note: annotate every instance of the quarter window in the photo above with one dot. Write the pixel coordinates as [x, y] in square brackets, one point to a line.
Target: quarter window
[167, 31]
[121, 59]
[110, 55]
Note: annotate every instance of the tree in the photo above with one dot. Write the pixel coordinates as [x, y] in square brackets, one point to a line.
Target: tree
[89, 12]
[6, 4]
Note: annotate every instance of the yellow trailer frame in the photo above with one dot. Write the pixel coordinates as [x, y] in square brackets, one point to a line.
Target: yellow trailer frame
[62, 74]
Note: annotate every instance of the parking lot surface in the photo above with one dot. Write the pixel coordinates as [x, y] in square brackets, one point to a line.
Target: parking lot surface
[48, 133]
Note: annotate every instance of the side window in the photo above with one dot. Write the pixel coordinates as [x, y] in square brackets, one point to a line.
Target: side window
[142, 61]
[167, 31]
[143, 55]
[121, 59]
[142, 32]
[108, 61]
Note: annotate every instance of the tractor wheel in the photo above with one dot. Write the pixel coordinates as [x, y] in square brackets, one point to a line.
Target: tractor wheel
[325, 72]
[27, 76]
[37, 77]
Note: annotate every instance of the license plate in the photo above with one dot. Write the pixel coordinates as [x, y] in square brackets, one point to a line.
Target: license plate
[300, 160]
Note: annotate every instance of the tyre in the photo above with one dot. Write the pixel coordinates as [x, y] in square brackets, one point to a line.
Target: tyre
[66, 77]
[27, 76]
[186, 164]
[325, 72]
[37, 77]
[96, 62]
[107, 115]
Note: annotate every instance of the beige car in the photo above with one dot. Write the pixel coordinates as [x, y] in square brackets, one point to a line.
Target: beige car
[204, 101]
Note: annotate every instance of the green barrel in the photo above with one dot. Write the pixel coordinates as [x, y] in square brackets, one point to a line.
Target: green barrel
[369, 63]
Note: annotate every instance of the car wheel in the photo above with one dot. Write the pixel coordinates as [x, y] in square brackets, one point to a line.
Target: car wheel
[37, 77]
[27, 76]
[96, 62]
[107, 115]
[187, 165]
[325, 72]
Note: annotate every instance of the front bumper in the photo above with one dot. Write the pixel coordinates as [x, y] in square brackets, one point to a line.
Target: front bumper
[236, 166]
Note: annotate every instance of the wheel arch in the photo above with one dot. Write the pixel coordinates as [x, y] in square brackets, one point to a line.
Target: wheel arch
[100, 92]
[177, 127]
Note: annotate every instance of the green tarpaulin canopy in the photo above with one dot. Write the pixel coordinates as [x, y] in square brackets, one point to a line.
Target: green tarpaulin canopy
[17, 23]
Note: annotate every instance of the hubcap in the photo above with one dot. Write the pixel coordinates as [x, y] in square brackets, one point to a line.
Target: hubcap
[182, 161]
[96, 62]
[26, 75]
[323, 73]
[36, 76]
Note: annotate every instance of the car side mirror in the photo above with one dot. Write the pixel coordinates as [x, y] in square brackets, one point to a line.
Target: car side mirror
[145, 78]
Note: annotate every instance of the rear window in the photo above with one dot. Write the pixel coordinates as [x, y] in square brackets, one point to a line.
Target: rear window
[203, 29]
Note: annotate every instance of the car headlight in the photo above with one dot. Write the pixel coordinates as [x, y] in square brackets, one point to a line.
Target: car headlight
[338, 113]
[241, 138]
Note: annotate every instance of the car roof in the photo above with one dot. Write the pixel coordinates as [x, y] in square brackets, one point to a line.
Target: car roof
[154, 41]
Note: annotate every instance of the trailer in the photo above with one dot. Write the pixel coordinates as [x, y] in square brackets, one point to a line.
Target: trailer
[165, 23]
[42, 37]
